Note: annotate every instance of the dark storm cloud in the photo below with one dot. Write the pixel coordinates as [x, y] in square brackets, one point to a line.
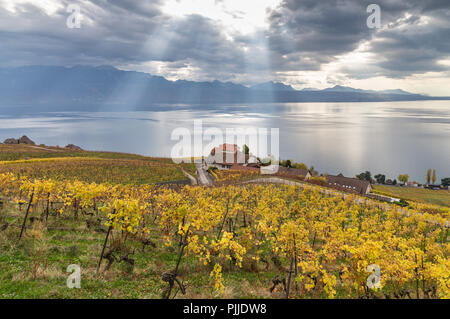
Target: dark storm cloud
[301, 35]
[317, 27]
[148, 9]
[111, 32]
[326, 28]
[33, 37]
[417, 44]
[318, 31]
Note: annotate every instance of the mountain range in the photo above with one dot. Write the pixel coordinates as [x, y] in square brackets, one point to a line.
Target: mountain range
[106, 85]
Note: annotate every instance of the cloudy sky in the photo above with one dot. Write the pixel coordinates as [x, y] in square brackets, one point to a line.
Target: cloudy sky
[305, 43]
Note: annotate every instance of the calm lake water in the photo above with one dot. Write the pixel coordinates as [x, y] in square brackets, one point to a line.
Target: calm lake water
[389, 137]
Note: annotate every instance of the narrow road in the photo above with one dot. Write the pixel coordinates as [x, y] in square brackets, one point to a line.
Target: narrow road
[201, 174]
[44, 148]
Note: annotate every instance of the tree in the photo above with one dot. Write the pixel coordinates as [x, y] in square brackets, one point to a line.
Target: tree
[312, 171]
[381, 179]
[269, 160]
[300, 166]
[433, 178]
[366, 176]
[445, 181]
[402, 203]
[292, 164]
[288, 163]
[428, 176]
[403, 178]
[246, 149]
[394, 182]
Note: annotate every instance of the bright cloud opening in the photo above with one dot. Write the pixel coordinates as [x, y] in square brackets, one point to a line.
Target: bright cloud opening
[49, 6]
[235, 15]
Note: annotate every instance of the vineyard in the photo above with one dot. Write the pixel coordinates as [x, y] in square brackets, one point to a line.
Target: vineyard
[228, 241]
[225, 177]
[98, 167]
[17, 152]
[98, 170]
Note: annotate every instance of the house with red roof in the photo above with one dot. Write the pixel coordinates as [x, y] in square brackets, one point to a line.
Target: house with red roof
[225, 156]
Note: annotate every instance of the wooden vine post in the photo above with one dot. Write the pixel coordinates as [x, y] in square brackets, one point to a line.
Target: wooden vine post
[293, 258]
[48, 207]
[103, 249]
[104, 246]
[171, 276]
[26, 215]
[289, 278]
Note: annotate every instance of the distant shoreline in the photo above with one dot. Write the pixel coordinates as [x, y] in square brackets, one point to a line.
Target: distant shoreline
[161, 106]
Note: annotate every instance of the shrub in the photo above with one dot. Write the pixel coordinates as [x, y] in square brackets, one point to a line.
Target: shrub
[402, 203]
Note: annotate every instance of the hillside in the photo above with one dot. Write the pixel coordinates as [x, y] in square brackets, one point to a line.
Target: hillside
[421, 195]
[99, 167]
[133, 238]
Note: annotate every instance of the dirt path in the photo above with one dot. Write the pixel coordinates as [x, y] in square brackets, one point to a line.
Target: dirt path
[44, 148]
[202, 177]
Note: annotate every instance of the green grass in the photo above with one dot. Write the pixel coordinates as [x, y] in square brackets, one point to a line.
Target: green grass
[36, 266]
[422, 195]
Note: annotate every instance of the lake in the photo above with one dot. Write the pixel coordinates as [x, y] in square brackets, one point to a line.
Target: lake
[388, 137]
